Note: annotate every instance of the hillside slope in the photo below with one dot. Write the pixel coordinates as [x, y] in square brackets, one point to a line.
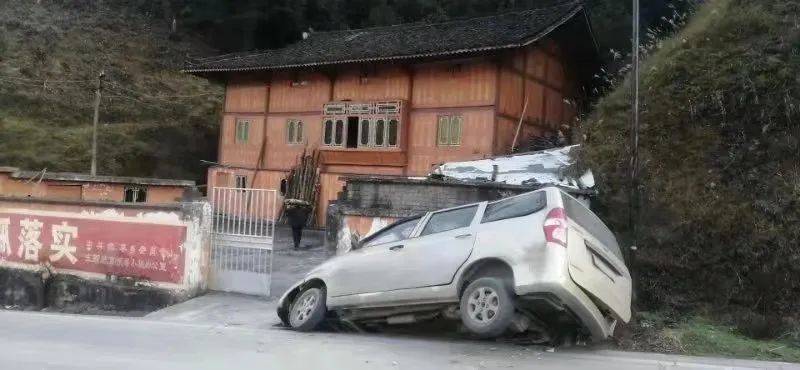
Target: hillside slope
[720, 151]
[155, 121]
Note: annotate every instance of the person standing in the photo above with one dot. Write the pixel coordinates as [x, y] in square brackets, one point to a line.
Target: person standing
[297, 212]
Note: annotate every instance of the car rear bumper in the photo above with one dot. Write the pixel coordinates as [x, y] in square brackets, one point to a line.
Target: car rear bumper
[573, 297]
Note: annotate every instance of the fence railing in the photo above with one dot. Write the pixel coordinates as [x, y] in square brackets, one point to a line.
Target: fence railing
[244, 212]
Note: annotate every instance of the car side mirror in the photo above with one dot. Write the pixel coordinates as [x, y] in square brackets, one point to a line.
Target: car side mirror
[356, 244]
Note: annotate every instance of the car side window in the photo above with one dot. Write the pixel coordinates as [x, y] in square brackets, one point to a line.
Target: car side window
[450, 220]
[518, 206]
[399, 231]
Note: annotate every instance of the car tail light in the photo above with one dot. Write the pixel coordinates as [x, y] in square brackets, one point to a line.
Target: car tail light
[555, 227]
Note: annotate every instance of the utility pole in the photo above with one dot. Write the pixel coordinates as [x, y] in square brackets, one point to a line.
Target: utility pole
[634, 164]
[97, 96]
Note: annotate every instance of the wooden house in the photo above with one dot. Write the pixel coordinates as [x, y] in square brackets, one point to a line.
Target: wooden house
[398, 100]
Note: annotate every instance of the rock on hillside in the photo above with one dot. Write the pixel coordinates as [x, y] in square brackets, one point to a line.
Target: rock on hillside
[155, 120]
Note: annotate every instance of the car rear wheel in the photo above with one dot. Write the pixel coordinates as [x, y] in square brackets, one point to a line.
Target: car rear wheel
[487, 307]
[308, 309]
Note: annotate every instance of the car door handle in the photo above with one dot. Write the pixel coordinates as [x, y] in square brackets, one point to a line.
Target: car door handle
[396, 248]
[462, 236]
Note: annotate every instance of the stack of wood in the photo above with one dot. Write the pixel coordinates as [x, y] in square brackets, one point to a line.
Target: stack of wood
[302, 183]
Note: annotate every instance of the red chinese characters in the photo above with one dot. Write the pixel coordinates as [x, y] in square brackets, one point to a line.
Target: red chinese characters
[115, 246]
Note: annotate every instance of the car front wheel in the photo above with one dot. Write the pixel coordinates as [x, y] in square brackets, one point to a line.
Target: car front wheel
[308, 309]
[487, 307]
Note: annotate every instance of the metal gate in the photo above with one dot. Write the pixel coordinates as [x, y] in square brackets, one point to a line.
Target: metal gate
[242, 242]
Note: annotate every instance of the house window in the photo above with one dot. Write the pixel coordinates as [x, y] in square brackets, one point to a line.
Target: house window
[394, 128]
[241, 182]
[294, 131]
[135, 194]
[242, 130]
[449, 130]
[365, 134]
[338, 134]
[380, 132]
[333, 132]
[361, 131]
[328, 130]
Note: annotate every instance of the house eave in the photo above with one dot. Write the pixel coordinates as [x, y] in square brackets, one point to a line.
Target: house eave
[525, 43]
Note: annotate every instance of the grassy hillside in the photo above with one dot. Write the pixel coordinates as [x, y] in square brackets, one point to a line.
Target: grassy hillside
[720, 151]
[155, 121]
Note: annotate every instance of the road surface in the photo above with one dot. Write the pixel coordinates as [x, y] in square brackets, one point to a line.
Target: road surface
[33, 340]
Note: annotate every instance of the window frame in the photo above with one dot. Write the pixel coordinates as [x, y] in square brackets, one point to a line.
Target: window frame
[382, 131]
[389, 120]
[542, 199]
[135, 190]
[370, 131]
[343, 137]
[325, 126]
[242, 125]
[429, 218]
[236, 179]
[294, 131]
[372, 136]
[449, 124]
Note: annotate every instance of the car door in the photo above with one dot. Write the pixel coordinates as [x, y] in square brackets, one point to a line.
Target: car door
[371, 267]
[441, 246]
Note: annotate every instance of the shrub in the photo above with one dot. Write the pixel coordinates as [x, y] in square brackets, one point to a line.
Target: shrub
[720, 154]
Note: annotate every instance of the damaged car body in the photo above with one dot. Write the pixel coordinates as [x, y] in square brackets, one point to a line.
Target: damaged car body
[540, 263]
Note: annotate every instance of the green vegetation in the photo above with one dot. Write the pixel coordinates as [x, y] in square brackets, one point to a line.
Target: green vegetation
[720, 182]
[155, 121]
[699, 335]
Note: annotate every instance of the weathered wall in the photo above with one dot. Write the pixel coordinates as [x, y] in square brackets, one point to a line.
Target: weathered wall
[367, 204]
[536, 77]
[60, 253]
[84, 190]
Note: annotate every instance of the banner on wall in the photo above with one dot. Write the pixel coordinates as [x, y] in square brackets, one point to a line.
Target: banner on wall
[121, 246]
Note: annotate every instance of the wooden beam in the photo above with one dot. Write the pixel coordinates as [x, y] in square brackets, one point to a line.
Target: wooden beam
[532, 78]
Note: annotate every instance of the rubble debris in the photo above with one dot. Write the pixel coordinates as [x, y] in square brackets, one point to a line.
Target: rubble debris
[543, 167]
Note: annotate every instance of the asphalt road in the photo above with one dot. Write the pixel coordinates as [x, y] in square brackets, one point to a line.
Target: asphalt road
[32, 340]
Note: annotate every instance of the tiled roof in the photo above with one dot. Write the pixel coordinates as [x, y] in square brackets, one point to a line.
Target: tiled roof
[404, 41]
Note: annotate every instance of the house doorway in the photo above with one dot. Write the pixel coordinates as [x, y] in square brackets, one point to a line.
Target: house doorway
[352, 132]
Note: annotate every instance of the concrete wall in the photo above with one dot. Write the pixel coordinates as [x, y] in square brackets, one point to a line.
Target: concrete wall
[368, 204]
[114, 256]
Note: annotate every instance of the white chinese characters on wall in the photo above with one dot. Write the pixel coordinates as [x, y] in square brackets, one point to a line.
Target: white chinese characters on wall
[143, 250]
[5, 237]
[29, 244]
[62, 246]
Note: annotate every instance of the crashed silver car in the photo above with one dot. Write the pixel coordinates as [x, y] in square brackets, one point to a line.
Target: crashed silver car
[540, 262]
